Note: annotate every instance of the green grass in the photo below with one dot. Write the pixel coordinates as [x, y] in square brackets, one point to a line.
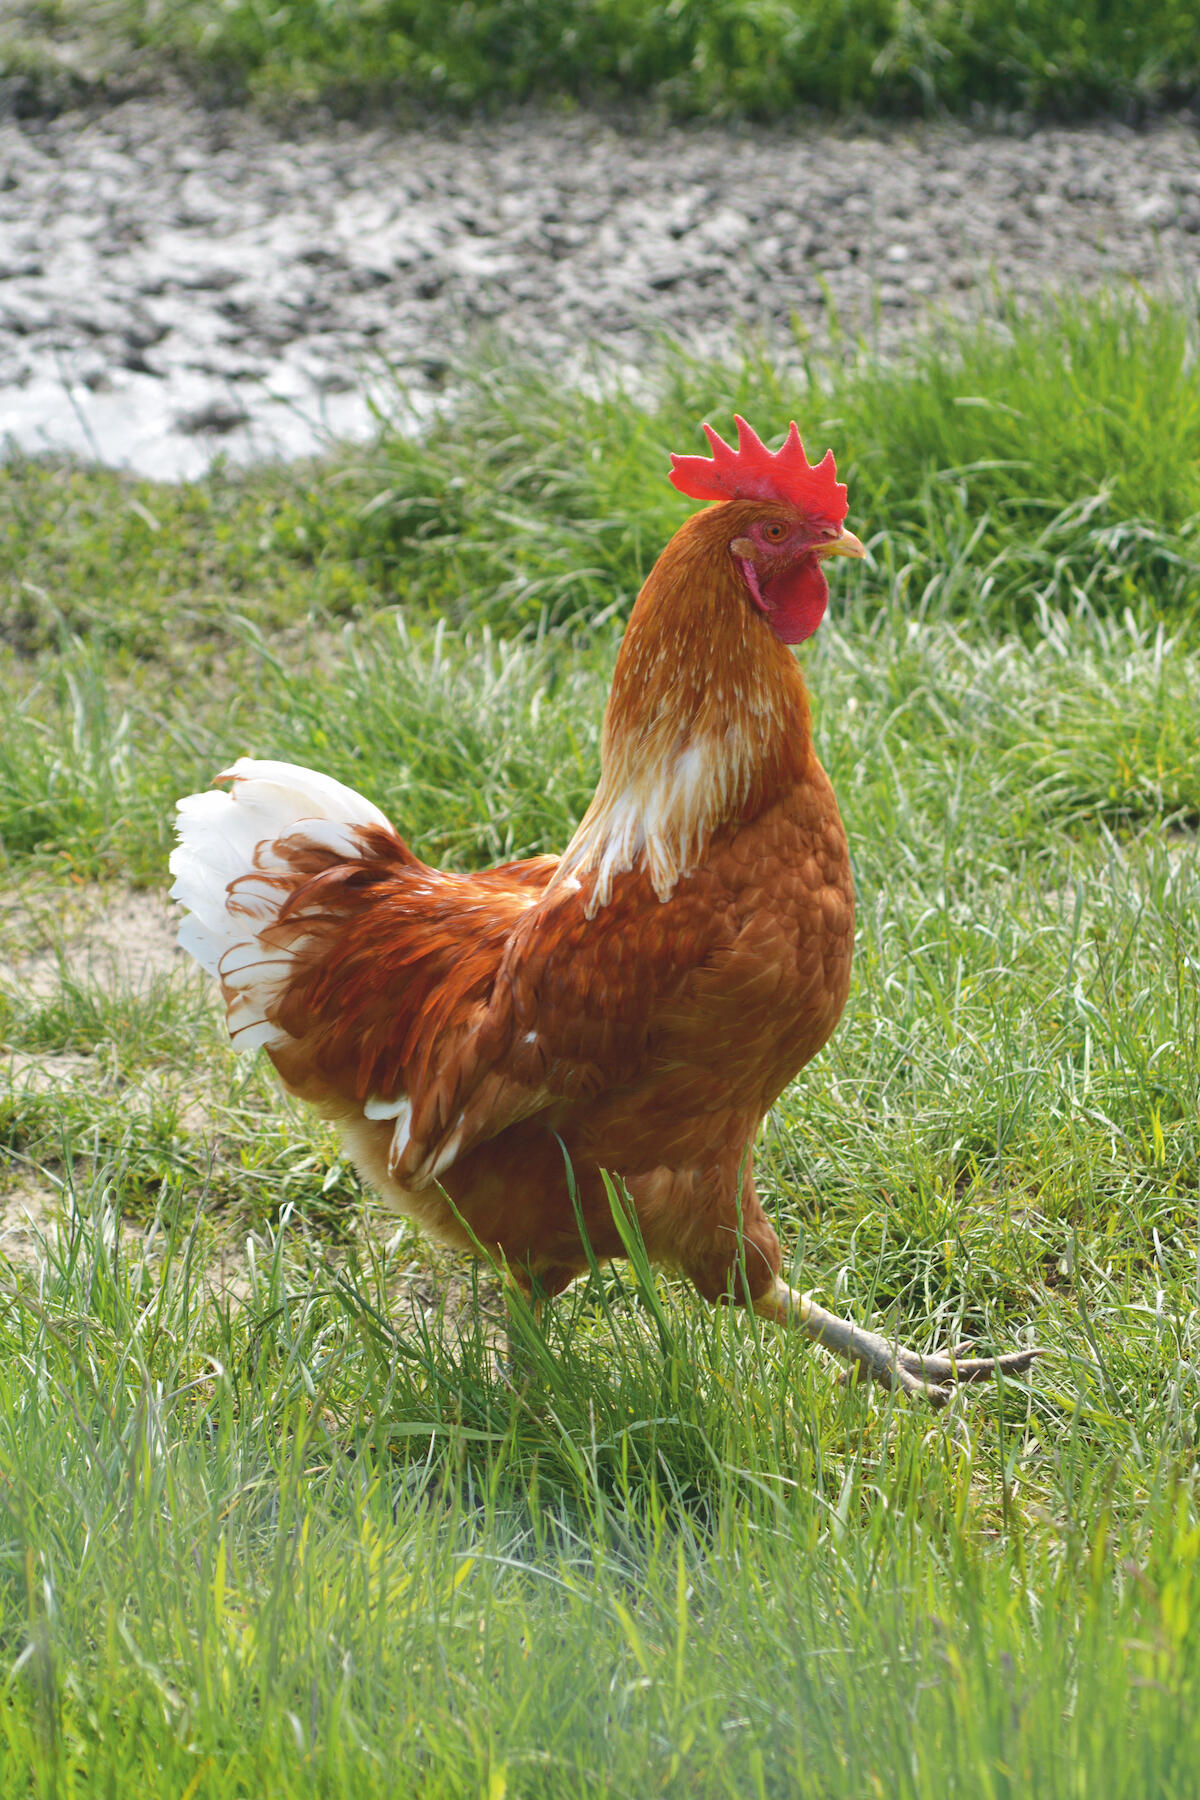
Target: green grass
[295, 1553]
[1021, 463]
[141, 568]
[756, 58]
[270, 1519]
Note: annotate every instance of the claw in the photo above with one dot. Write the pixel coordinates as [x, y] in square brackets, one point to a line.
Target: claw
[892, 1366]
[966, 1368]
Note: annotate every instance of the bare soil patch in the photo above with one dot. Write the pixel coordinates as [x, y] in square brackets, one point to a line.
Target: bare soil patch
[113, 936]
[29, 1213]
[176, 281]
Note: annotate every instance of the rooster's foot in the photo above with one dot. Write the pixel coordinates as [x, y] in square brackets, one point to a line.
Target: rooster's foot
[889, 1364]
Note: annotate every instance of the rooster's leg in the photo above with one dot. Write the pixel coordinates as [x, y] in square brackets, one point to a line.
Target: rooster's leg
[887, 1363]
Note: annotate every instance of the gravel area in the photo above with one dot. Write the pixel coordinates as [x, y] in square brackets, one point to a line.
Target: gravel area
[175, 282]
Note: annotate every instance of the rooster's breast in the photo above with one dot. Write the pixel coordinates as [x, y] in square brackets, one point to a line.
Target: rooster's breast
[781, 981]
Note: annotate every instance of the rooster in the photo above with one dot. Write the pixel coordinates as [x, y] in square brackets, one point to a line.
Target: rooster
[491, 1044]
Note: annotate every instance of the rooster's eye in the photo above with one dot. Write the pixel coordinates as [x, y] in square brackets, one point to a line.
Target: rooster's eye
[774, 532]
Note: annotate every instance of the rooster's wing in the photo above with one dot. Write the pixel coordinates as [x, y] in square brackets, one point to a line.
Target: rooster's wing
[649, 1014]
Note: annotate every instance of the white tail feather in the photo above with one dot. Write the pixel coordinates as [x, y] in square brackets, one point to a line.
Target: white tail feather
[228, 837]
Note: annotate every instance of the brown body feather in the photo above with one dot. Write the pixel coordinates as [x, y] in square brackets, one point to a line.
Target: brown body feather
[638, 1005]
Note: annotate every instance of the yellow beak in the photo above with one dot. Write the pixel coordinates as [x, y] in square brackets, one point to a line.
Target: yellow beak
[846, 545]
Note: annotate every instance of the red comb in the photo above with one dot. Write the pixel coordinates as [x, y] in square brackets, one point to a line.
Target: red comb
[752, 472]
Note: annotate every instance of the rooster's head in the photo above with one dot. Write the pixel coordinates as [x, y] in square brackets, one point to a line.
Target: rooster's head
[784, 516]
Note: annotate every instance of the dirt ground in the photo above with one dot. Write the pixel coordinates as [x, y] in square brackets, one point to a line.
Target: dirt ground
[174, 281]
[118, 936]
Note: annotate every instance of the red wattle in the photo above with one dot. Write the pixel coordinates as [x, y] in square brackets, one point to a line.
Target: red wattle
[795, 601]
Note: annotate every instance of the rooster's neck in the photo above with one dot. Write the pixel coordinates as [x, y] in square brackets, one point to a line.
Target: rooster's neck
[707, 722]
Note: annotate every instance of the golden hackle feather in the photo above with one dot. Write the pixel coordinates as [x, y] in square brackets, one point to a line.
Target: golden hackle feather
[707, 719]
